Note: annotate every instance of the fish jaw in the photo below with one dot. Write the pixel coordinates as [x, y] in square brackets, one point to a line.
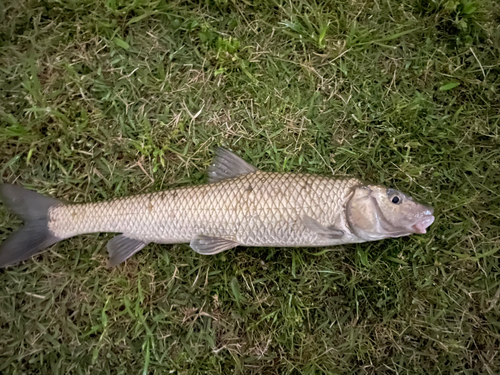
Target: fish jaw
[422, 224]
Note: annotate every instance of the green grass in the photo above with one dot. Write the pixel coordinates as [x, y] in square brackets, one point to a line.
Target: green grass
[107, 98]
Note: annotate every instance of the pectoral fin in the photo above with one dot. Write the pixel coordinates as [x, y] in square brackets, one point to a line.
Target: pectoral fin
[207, 245]
[120, 248]
[328, 232]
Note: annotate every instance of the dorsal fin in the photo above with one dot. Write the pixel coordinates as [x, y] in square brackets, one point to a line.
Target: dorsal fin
[228, 165]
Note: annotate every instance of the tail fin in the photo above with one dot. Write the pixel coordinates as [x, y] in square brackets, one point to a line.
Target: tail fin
[33, 208]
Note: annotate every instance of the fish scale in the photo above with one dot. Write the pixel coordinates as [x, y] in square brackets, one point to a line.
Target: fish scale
[257, 209]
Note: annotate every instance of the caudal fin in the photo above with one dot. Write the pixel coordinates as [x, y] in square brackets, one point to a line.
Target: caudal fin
[33, 208]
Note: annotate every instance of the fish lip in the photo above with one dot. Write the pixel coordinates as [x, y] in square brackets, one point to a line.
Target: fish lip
[422, 225]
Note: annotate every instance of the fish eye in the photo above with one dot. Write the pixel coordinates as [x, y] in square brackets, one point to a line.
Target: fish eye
[396, 200]
[394, 196]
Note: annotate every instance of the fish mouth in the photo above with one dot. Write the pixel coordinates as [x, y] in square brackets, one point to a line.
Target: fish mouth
[423, 224]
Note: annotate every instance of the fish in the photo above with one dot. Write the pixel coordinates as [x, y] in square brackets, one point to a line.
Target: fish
[239, 206]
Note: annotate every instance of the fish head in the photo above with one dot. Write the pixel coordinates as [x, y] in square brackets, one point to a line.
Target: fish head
[375, 212]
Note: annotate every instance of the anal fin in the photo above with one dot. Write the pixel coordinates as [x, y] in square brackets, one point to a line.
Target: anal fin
[207, 245]
[329, 232]
[121, 247]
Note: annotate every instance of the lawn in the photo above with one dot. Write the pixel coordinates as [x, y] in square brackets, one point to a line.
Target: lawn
[107, 98]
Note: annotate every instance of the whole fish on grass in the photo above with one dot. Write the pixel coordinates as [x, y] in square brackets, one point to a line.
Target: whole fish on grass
[240, 205]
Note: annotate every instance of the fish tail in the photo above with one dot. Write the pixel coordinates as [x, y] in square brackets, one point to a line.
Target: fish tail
[35, 236]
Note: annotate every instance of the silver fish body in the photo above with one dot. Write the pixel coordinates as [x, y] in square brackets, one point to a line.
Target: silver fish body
[257, 209]
[240, 206]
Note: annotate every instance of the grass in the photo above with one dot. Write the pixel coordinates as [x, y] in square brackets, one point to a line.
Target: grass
[108, 98]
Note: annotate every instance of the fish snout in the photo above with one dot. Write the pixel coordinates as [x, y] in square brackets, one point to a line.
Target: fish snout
[428, 210]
